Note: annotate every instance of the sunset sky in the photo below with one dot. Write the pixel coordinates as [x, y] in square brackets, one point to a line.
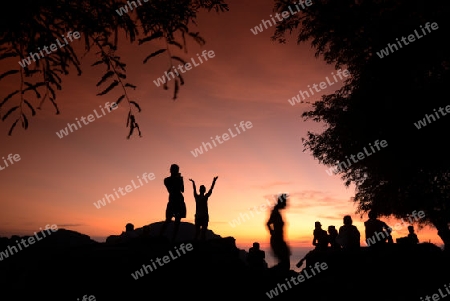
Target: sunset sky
[249, 79]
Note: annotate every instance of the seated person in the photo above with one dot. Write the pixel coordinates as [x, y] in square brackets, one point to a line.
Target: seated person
[332, 235]
[129, 233]
[349, 235]
[377, 232]
[256, 258]
[320, 239]
[411, 239]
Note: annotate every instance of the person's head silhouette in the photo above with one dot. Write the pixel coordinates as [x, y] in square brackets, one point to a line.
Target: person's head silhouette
[331, 229]
[129, 227]
[202, 189]
[174, 169]
[411, 229]
[282, 201]
[372, 214]
[348, 220]
[256, 245]
[318, 225]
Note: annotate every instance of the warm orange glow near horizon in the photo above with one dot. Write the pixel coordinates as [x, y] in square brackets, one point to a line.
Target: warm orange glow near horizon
[250, 79]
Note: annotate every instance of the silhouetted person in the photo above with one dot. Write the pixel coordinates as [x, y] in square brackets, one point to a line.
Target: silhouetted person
[349, 235]
[412, 236]
[256, 258]
[129, 227]
[377, 232]
[129, 233]
[411, 239]
[332, 235]
[276, 228]
[201, 209]
[320, 239]
[175, 207]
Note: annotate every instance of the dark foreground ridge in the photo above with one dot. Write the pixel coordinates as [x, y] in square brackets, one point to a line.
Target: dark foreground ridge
[68, 265]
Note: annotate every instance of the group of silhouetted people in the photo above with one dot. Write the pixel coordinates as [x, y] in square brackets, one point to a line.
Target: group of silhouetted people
[321, 238]
[348, 237]
[176, 207]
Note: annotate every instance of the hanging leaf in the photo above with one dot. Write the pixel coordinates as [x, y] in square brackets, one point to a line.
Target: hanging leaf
[8, 97]
[179, 59]
[197, 38]
[177, 87]
[8, 73]
[24, 121]
[136, 126]
[128, 118]
[136, 105]
[181, 79]
[156, 35]
[12, 127]
[105, 77]
[33, 112]
[120, 99]
[154, 54]
[9, 112]
[176, 44]
[7, 55]
[115, 83]
[55, 105]
[130, 85]
[34, 87]
[97, 63]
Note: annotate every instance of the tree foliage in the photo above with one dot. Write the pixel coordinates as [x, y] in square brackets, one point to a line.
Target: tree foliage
[383, 100]
[26, 26]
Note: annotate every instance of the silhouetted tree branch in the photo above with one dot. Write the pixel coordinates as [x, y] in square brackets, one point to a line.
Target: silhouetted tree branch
[28, 26]
[384, 99]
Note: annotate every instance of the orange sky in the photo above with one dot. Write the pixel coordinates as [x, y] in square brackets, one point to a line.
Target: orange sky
[250, 78]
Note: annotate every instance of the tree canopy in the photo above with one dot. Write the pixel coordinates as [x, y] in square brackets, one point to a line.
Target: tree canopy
[27, 26]
[384, 99]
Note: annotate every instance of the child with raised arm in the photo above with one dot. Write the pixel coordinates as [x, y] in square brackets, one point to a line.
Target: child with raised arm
[201, 212]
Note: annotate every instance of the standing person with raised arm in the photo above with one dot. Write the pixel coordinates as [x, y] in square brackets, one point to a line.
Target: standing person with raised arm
[201, 209]
[275, 224]
[176, 206]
